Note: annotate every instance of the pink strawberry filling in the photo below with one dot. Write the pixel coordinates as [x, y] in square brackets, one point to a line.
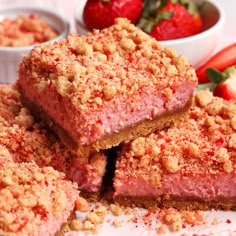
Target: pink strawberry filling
[112, 117]
[205, 187]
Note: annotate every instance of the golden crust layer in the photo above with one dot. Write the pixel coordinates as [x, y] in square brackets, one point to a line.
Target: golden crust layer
[168, 201]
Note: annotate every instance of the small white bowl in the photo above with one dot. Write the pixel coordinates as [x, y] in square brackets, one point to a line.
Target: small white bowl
[197, 48]
[10, 57]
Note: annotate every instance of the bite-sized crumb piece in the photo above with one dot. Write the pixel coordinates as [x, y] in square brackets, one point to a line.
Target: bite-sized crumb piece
[115, 209]
[92, 219]
[30, 140]
[116, 223]
[107, 87]
[193, 217]
[81, 204]
[215, 221]
[161, 229]
[76, 225]
[88, 225]
[189, 166]
[33, 200]
[100, 210]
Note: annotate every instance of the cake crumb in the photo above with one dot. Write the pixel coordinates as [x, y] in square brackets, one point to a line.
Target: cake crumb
[76, 224]
[176, 226]
[81, 204]
[161, 229]
[115, 209]
[116, 223]
[171, 164]
[162, 221]
[93, 218]
[204, 98]
[88, 225]
[215, 221]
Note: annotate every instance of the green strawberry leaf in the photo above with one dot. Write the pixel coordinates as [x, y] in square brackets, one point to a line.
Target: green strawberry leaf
[163, 15]
[214, 75]
[189, 5]
[146, 25]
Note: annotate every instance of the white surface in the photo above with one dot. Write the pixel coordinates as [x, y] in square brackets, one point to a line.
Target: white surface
[221, 229]
[229, 31]
[225, 227]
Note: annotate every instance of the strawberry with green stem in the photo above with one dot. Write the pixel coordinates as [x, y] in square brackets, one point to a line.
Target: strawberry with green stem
[170, 19]
[224, 84]
[224, 58]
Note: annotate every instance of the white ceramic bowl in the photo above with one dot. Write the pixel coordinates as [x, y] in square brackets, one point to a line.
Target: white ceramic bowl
[10, 57]
[197, 48]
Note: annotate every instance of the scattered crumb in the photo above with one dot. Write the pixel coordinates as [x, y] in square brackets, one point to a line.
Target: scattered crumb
[215, 221]
[161, 221]
[76, 225]
[88, 225]
[161, 229]
[115, 209]
[116, 223]
[81, 204]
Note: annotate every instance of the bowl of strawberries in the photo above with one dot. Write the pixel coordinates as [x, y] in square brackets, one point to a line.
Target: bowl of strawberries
[192, 27]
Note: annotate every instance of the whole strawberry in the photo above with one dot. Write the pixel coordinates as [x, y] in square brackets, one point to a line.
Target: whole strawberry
[99, 14]
[170, 19]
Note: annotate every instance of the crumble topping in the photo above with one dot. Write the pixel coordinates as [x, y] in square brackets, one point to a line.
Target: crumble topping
[115, 54]
[205, 143]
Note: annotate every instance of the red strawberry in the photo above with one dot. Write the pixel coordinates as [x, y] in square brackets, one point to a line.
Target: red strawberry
[198, 24]
[179, 25]
[220, 61]
[99, 14]
[225, 83]
[170, 19]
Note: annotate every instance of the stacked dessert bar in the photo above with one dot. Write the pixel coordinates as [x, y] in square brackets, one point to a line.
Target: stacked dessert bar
[120, 87]
[109, 87]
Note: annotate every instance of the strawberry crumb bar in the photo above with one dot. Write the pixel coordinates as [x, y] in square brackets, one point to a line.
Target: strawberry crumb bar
[107, 87]
[190, 166]
[31, 141]
[33, 200]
